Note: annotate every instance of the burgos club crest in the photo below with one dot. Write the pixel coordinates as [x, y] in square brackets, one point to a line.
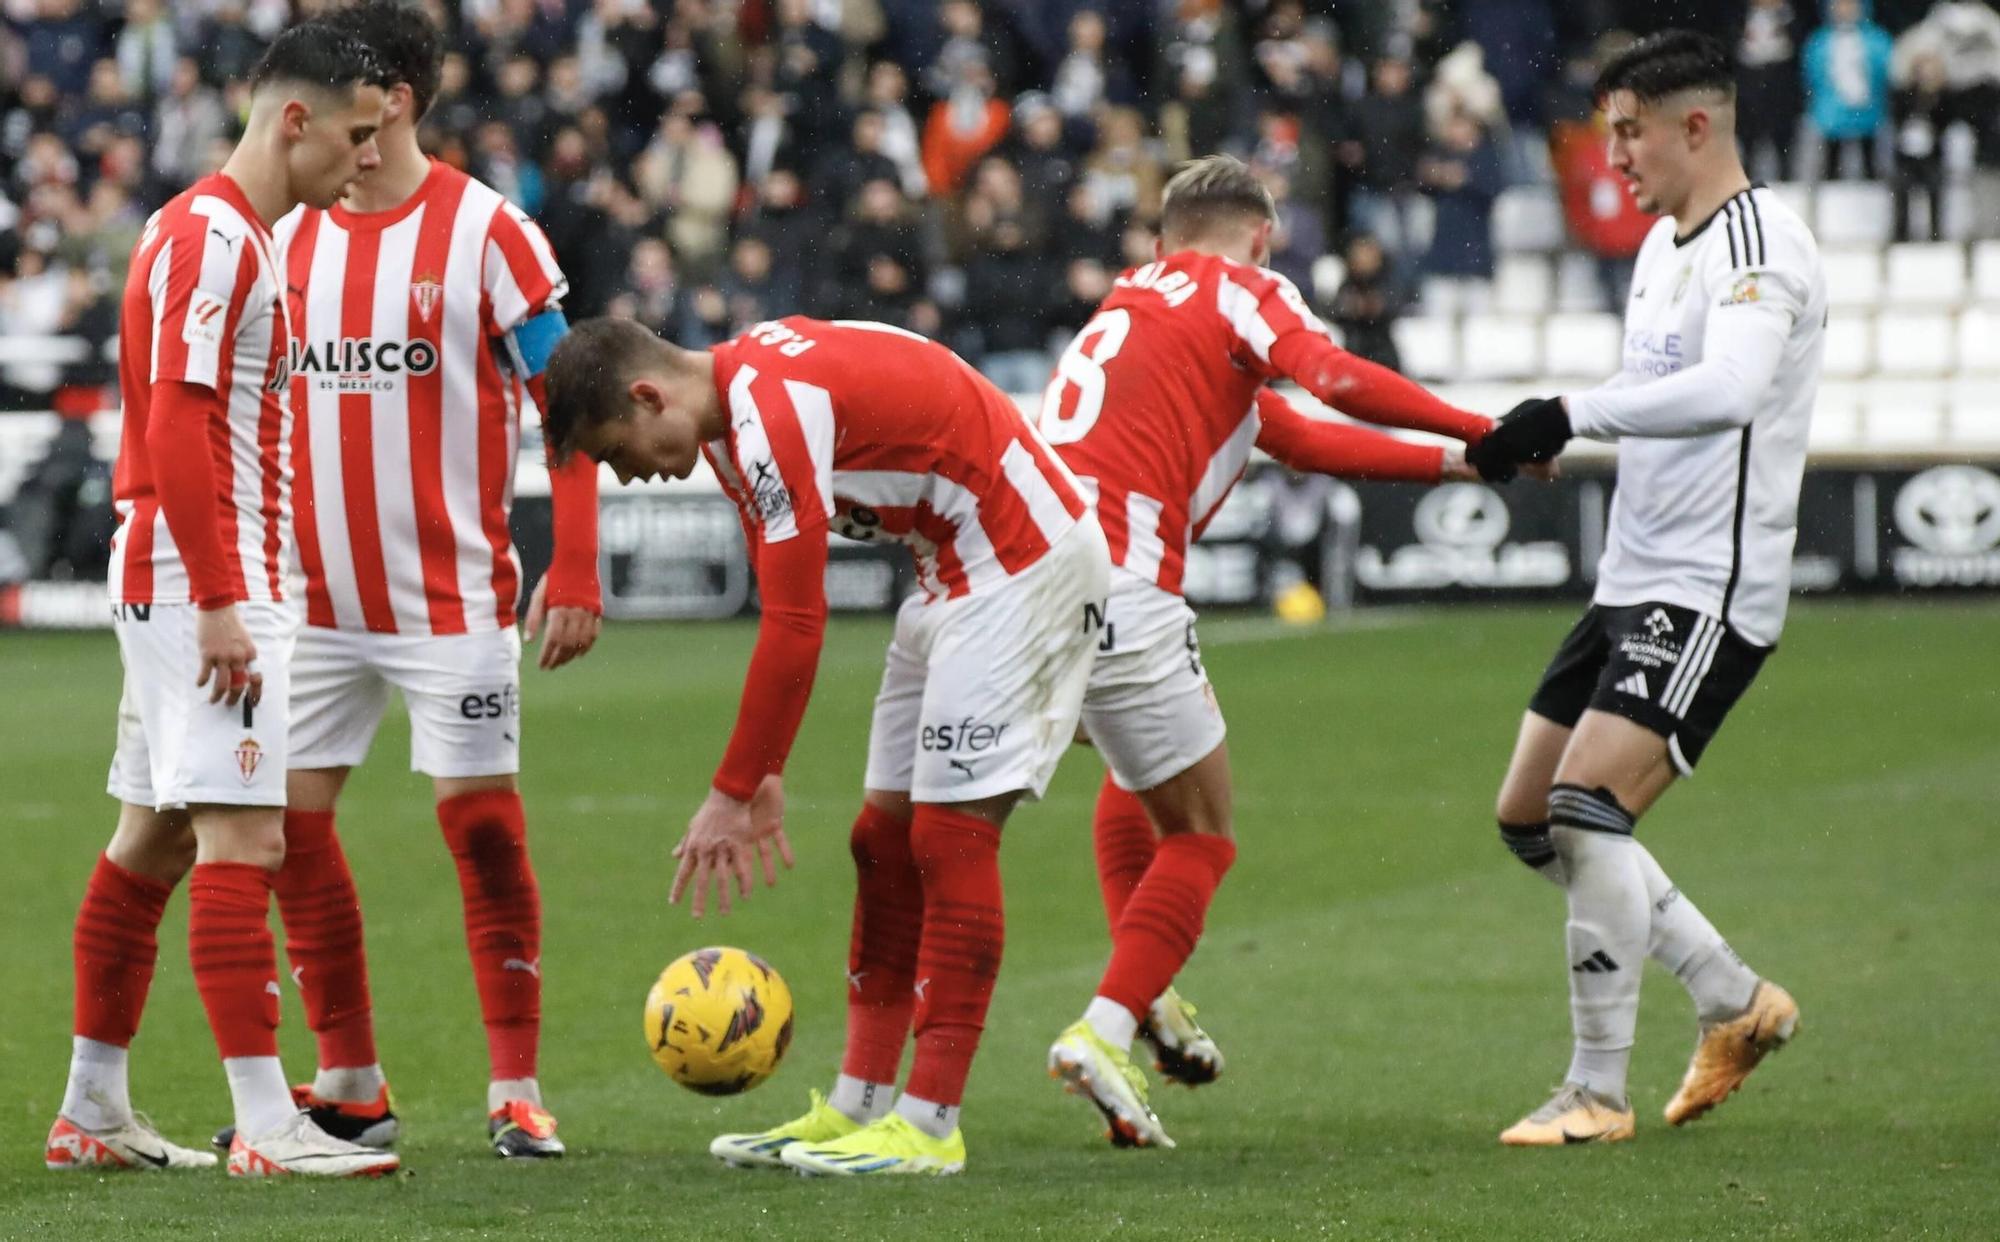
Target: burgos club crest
[248, 755]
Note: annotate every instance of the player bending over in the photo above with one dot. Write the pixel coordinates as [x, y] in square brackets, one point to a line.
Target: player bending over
[1155, 405]
[428, 306]
[1723, 336]
[203, 492]
[878, 434]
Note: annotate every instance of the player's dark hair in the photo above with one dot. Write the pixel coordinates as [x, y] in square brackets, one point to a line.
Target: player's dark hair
[406, 39]
[1211, 191]
[1667, 63]
[315, 54]
[587, 376]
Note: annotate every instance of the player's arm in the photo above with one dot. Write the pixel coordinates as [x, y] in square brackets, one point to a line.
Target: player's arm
[1273, 324]
[1317, 446]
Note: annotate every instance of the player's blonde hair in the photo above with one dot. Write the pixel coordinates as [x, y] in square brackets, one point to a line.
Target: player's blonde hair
[1212, 192]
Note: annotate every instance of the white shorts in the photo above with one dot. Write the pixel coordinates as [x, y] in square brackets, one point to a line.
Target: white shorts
[1149, 709]
[981, 693]
[463, 692]
[175, 748]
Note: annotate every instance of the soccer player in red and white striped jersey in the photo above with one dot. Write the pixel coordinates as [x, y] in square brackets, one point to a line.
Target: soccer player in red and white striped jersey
[1156, 405]
[426, 304]
[876, 433]
[203, 490]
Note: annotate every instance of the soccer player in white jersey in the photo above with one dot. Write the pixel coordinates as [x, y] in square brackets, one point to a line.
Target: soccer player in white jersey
[205, 628]
[1723, 336]
[426, 305]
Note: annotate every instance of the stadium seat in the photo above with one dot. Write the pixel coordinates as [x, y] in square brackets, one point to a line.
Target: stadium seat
[1528, 218]
[1836, 423]
[1905, 417]
[1523, 285]
[1577, 288]
[1979, 340]
[1850, 346]
[1327, 272]
[1986, 272]
[1428, 345]
[1926, 274]
[1975, 415]
[1585, 344]
[1853, 277]
[1853, 213]
[1913, 344]
[1500, 347]
[1798, 195]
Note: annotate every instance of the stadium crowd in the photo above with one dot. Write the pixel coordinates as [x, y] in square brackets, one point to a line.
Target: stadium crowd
[976, 170]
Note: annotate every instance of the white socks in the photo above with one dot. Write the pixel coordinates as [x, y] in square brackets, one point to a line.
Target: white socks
[97, 1097]
[861, 1100]
[351, 1084]
[501, 1090]
[257, 1088]
[1685, 942]
[1114, 1024]
[1608, 930]
[936, 1120]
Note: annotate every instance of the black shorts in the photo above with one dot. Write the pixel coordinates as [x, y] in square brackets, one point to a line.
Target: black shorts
[1671, 669]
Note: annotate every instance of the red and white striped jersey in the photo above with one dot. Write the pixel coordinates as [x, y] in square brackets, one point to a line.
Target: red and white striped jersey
[1153, 405]
[204, 305]
[408, 423]
[877, 433]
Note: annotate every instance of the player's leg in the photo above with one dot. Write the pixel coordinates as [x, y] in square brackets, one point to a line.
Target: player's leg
[463, 693]
[1123, 841]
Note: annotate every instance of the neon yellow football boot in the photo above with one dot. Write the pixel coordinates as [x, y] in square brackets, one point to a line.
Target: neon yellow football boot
[889, 1146]
[822, 1123]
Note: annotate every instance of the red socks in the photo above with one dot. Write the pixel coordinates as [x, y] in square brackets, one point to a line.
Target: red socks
[1163, 920]
[958, 856]
[487, 833]
[322, 916]
[1125, 843]
[882, 953]
[234, 958]
[115, 946]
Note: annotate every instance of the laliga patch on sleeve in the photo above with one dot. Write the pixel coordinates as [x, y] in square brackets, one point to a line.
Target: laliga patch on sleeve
[205, 316]
[1743, 291]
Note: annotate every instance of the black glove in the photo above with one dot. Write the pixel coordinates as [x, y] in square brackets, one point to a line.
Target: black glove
[1533, 431]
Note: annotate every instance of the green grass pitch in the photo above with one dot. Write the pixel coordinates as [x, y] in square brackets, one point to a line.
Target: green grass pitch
[1388, 984]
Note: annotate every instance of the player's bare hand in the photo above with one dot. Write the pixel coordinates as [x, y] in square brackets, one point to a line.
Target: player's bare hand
[571, 632]
[719, 844]
[767, 827]
[226, 654]
[1455, 469]
[1542, 471]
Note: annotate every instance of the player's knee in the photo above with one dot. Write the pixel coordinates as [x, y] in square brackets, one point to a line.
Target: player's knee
[1530, 843]
[879, 836]
[1593, 810]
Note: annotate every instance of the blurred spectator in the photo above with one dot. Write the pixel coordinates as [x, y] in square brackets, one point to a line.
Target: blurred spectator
[963, 127]
[1367, 304]
[454, 110]
[808, 68]
[1847, 84]
[1965, 36]
[1087, 228]
[1086, 79]
[1520, 37]
[780, 219]
[844, 169]
[1462, 172]
[107, 111]
[887, 95]
[1086, 282]
[755, 288]
[1461, 86]
[147, 49]
[1922, 112]
[970, 40]
[1299, 239]
[1124, 170]
[687, 171]
[520, 107]
[650, 292]
[34, 110]
[1040, 148]
[1388, 137]
[65, 38]
[498, 161]
[187, 119]
[229, 47]
[1203, 66]
[878, 270]
[1009, 287]
[1603, 219]
[1767, 76]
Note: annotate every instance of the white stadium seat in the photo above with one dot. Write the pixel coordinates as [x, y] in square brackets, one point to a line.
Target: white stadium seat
[1913, 344]
[1850, 346]
[1836, 423]
[1986, 272]
[1429, 346]
[1904, 418]
[1979, 340]
[1500, 347]
[1853, 277]
[1853, 213]
[1327, 272]
[1926, 274]
[1523, 284]
[1528, 217]
[1975, 414]
[1798, 195]
[1577, 288]
[1585, 344]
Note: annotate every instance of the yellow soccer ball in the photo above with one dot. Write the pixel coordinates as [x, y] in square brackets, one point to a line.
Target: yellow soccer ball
[718, 1020]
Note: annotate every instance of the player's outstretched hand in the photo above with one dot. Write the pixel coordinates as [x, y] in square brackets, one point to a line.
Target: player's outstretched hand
[720, 841]
[1534, 431]
[572, 632]
[226, 656]
[767, 826]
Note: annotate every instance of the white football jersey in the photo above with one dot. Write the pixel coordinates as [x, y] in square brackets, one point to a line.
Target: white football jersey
[1723, 335]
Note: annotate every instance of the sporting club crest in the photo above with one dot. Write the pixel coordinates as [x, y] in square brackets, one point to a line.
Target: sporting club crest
[248, 755]
[426, 292]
